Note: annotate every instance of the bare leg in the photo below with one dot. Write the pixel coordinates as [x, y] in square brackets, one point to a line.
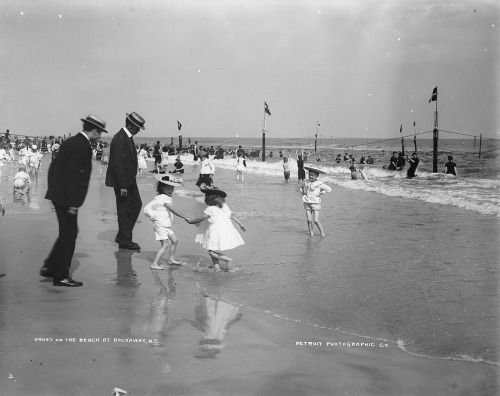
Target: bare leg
[159, 255]
[215, 259]
[309, 217]
[316, 221]
[173, 248]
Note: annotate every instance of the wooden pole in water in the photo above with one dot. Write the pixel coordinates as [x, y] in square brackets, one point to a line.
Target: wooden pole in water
[264, 140]
[415, 136]
[316, 137]
[402, 139]
[480, 141]
[435, 138]
[264, 133]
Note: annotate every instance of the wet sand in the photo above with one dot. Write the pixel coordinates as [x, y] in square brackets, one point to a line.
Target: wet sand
[54, 341]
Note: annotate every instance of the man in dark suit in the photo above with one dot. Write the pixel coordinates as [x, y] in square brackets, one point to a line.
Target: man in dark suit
[121, 175]
[68, 183]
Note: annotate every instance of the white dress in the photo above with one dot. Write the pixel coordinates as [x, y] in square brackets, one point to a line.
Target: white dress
[218, 232]
[141, 159]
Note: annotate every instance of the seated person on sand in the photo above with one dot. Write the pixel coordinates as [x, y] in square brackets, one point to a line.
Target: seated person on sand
[22, 181]
[178, 165]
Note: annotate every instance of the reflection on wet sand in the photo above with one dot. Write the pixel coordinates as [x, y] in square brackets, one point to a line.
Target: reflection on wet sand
[158, 319]
[213, 318]
[125, 274]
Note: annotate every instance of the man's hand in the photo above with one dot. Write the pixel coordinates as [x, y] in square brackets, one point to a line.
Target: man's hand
[73, 211]
[123, 192]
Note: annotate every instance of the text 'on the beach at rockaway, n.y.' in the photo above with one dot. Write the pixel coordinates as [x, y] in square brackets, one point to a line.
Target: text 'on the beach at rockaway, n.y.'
[109, 340]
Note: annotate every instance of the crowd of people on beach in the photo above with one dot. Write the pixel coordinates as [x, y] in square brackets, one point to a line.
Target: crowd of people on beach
[124, 161]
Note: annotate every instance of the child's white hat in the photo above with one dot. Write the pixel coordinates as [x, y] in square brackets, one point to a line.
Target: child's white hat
[169, 180]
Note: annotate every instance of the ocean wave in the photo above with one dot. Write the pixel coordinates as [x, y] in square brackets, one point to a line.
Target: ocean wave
[480, 195]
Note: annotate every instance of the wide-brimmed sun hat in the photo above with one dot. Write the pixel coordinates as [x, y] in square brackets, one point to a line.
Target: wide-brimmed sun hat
[136, 119]
[311, 169]
[96, 121]
[34, 147]
[169, 180]
[214, 191]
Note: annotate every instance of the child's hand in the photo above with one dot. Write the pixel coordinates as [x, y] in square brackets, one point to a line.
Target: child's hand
[187, 219]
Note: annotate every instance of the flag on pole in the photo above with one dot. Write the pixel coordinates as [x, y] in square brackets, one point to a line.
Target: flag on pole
[179, 125]
[414, 123]
[401, 129]
[434, 96]
[266, 108]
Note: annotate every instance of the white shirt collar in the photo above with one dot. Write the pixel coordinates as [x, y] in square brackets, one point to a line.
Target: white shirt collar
[127, 132]
[86, 137]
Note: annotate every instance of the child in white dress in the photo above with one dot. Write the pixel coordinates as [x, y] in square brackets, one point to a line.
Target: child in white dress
[218, 232]
[311, 192]
[160, 211]
[141, 160]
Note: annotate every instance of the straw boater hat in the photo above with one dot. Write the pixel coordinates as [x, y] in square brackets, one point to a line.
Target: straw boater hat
[310, 169]
[214, 191]
[136, 119]
[96, 121]
[169, 180]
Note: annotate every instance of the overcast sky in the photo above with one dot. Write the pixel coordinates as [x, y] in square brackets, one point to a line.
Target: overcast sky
[359, 68]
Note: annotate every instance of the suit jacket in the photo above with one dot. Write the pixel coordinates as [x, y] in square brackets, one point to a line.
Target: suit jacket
[69, 172]
[122, 166]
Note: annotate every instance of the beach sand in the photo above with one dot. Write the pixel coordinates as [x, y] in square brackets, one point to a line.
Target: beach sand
[75, 341]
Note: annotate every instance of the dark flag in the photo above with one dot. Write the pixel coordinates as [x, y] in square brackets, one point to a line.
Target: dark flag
[266, 109]
[434, 96]
[179, 125]
[401, 129]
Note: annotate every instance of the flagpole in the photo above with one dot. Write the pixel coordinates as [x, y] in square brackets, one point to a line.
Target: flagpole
[435, 138]
[402, 139]
[415, 136]
[264, 137]
[316, 137]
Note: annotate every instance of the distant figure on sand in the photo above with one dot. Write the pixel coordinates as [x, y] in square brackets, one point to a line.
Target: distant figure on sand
[410, 174]
[240, 167]
[286, 169]
[207, 171]
[121, 175]
[218, 233]
[141, 160]
[451, 167]
[21, 181]
[104, 157]
[68, 183]
[178, 165]
[164, 158]
[311, 193]
[160, 211]
[301, 173]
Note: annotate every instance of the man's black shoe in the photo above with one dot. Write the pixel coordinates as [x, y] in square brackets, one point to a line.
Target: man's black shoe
[129, 246]
[68, 282]
[46, 272]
